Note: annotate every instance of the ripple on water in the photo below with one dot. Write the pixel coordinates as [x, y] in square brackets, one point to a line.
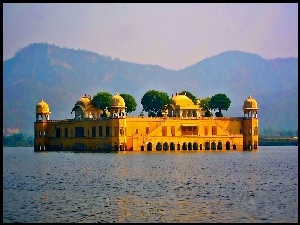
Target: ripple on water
[141, 187]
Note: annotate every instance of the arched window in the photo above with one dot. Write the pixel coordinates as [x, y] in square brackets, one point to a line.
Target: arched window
[207, 145]
[158, 146]
[149, 146]
[213, 146]
[219, 147]
[195, 146]
[165, 146]
[227, 145]
[172, 146]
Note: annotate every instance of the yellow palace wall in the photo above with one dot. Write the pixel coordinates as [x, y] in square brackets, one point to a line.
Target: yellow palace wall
[139, 131]
[180, 131]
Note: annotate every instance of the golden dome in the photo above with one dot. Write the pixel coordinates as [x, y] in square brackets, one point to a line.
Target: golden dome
[117, 101]
[42, 107]
[84, 101]
[250, 103]
[182, 100]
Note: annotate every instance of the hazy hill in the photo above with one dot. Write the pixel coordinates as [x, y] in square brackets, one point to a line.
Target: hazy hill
[61, 76]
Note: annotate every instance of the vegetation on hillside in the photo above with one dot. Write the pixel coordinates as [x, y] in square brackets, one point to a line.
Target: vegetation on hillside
[41, 70]
[17, 140]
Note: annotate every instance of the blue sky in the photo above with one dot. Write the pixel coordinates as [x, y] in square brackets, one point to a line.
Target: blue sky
[171, 35]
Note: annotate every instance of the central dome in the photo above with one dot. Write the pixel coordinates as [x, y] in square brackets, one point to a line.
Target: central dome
[117, 101]
[42, 107]
[182, 100]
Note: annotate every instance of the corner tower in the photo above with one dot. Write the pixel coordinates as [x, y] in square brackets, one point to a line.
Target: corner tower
[250, 124]
[42, 112]
[118, 122]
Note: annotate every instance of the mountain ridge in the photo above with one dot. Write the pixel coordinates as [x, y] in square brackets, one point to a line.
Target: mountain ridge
[61, 76]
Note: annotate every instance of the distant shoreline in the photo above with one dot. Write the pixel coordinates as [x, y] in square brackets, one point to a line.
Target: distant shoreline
[278, 142]
[263, 143]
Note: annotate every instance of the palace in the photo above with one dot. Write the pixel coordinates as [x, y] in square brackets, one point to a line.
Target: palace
[182, 127]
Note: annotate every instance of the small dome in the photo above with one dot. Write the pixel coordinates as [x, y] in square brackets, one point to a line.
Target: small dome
[182, 100]
[117, 101]
[250, 103]
[42, 107]
[84, 101]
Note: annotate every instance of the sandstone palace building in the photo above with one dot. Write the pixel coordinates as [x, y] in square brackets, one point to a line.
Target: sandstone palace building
[182, 127]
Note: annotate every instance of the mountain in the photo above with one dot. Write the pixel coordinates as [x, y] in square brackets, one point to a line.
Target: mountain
[61, 76]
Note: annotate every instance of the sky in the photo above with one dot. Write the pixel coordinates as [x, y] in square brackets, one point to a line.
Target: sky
[171, 35]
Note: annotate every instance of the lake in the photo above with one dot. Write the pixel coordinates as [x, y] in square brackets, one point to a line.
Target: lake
[166, 186]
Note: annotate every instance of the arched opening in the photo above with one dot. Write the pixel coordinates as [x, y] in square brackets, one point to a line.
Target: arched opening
[213, 146]
[122, 149]
[255, 144]
[178, 146]
[142, 148]
[195, 146]
[57, 132]
[194, 113]
[172, 146]
[149, 146]
[234, 146]
[166, 146]
[200, 146]
[249, 145]
[190, 146]
[227, 145]
[219, 147]
[40, 147]
[158, 146]
[207, 145]
[184, 147]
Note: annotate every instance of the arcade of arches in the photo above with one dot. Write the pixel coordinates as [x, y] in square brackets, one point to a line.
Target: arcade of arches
[187, 146]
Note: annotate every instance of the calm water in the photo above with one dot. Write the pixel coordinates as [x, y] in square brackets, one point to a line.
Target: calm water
[190, 186]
